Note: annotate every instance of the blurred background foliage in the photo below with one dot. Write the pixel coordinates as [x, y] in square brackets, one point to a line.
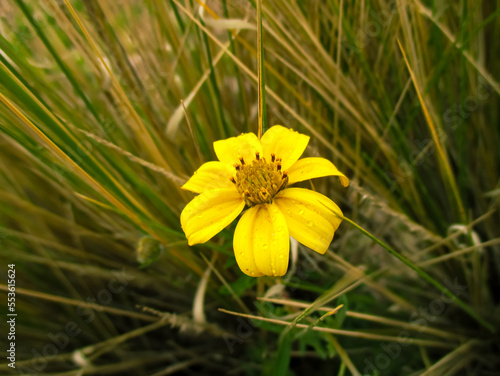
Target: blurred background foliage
[402, 96]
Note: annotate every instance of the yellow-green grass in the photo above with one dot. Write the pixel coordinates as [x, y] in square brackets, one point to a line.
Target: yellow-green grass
[107, 107]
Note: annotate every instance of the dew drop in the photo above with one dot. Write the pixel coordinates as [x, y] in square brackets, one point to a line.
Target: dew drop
[281, 256]
[310, 223]
[301, 212]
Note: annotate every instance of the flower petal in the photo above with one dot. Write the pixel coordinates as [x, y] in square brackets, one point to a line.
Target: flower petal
[243, 248]
[231, 149]
[207, 214]
[210, 175]
[285, 144]
[261, 241]
[310, 217]
[310, 168]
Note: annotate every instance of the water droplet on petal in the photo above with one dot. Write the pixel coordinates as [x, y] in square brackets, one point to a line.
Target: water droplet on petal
[301, 211]
[281, 256]
[310, 223]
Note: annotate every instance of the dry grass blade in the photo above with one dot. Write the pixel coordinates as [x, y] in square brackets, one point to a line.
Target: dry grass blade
[377, 319]
[445, 163]
[141, 130]
[348, 333]
[60, 154]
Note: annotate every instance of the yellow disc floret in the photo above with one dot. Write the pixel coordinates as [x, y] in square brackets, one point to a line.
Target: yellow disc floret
[258, 182]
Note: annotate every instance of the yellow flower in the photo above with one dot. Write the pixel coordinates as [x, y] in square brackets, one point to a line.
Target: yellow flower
[257, 174]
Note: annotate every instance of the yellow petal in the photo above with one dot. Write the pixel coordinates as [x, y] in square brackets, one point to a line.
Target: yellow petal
[210, 175]
[207, 214]
[310, 217]
[310, 168]
[285, 144]
[261, 241]
[243, 249]
[230, 150]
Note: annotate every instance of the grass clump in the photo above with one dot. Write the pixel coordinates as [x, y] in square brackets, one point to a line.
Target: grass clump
[107, 109]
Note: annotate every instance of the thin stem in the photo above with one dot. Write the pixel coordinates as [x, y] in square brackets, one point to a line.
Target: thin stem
[347, 333]
[261, 76]
[197, 147]
[426, 276]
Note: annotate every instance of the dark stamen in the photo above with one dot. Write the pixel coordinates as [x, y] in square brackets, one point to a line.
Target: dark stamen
[284, 175]
[242, 160]
[278, 166]
[247, 193]
[257, 155]
[237, 166]
[232, 180]
[273, 157]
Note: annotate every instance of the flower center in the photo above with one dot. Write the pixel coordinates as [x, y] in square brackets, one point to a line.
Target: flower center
[261, 180]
